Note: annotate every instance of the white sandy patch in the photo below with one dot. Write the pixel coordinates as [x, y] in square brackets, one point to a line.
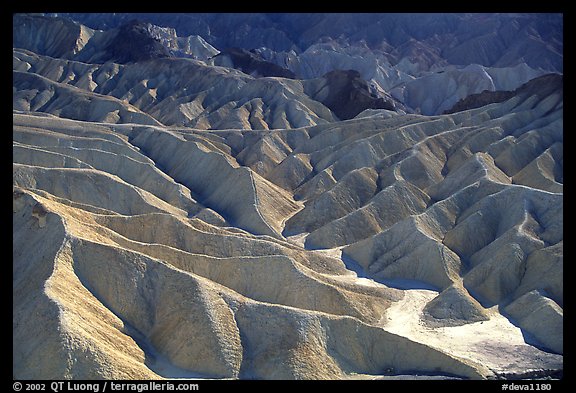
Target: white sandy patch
[494, 343]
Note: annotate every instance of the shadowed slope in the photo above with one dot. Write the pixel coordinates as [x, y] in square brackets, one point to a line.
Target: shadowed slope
[176, 219]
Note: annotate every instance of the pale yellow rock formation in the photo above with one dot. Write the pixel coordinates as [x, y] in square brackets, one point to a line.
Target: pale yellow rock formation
[219, 225]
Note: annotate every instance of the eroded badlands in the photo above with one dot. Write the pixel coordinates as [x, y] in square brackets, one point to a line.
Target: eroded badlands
[227, 226]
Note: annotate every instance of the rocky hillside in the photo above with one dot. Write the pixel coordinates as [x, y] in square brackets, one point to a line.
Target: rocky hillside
[175, 218]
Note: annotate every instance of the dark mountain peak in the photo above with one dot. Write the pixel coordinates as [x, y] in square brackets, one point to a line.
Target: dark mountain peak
[542, 86]
[349, 94]
[136, 42]
[480, 99]
[250, 62]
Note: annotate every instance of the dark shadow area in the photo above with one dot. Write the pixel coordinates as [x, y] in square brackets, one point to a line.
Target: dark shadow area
[398, 283]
